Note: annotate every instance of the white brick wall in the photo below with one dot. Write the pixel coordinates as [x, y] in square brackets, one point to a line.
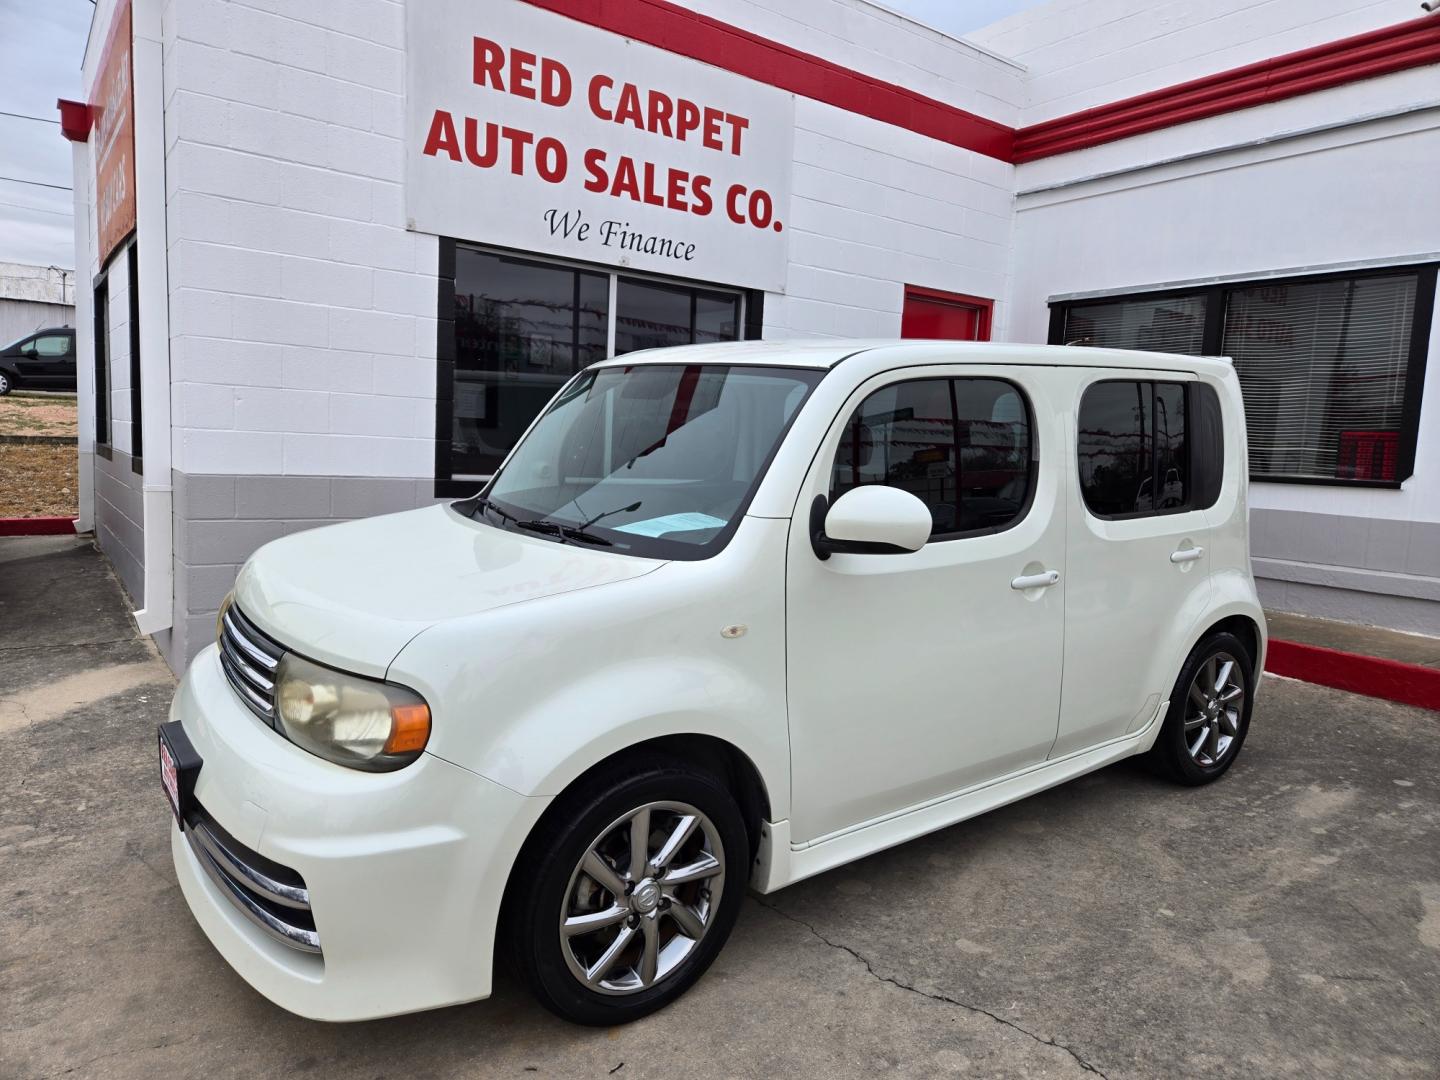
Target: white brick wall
[293, 278]
[1083, 53]
[875, 208]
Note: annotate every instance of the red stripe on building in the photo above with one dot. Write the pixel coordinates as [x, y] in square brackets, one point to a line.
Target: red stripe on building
[1364, 56]
[37, 526]
[668, 26]
[1409, 684]
[672, 28]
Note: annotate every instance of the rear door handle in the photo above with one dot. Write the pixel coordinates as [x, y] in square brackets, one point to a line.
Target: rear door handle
[1185, 555]
[1035, 581]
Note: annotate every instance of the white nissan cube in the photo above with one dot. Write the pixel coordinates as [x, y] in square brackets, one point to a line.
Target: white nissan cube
[727, 616]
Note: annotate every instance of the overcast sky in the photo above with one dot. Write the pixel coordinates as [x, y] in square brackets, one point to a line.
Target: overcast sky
[41, 45]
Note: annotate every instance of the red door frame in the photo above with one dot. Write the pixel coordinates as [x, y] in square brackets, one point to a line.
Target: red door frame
[984, 308]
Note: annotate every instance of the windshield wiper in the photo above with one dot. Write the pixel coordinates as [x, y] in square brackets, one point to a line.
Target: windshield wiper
[608, 513]
[565, 533]
[486, 504]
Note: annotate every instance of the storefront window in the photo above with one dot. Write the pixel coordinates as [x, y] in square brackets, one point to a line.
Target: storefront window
[1331, 366]
[653, 315]
[523, 327]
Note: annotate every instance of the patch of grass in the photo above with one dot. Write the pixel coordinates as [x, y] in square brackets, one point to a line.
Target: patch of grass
[39, 481]
[50, 414]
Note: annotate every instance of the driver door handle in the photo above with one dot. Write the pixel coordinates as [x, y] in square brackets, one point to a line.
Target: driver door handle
[1035, 581]
[1185, 555]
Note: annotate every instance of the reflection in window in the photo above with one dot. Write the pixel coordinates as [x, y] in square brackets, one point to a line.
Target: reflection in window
[655, 315]
[1172, 466]
[903, 436]
[521, 329]
[994, 438]
[1134, 448]
[1115, 462]
[656, 459]
[961, 446]
[650, 316]
[1173, 324]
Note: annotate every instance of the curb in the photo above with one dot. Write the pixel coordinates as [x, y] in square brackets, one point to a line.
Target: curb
[37, 526]
[37, 440]
[1373, 676]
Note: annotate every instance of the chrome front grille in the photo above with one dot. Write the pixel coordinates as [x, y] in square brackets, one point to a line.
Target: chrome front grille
[250, 659]
[271, 896]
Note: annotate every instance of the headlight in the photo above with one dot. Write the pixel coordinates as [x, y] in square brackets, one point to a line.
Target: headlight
[356, 722]
[220, 615]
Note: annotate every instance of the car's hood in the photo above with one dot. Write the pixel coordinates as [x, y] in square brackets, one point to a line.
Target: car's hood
[353, 595]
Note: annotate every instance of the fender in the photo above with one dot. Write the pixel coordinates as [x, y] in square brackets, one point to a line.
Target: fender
[1232, 593]
[532, 695]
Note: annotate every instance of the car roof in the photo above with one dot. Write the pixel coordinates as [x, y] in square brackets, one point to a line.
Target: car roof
[827, 352]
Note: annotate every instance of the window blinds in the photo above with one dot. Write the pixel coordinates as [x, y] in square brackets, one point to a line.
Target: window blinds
[1322, 367]
[1173, 324]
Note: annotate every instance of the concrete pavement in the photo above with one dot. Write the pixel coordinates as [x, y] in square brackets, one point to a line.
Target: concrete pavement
[1283, 922]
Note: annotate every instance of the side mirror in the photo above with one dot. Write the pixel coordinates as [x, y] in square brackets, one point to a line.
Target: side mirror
[870, 520]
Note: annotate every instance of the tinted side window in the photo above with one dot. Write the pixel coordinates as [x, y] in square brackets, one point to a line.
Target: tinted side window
[1172, 448]
[52, 345]
[904, 436]
[962, 446]
[1114, 448]
[1207, 443]
[995, 457]
[1135, 448]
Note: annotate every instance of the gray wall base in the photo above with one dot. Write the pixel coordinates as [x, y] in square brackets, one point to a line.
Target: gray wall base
[119, 519]
[1376, 571]
[1347, 605]
[221, 520]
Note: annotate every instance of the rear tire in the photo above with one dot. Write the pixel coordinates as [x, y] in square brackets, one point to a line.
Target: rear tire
[658, 919]
[1209, 713]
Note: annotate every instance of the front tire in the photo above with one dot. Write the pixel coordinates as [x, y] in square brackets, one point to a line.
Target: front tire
[6, 383]
[627, 891]
[1209, 712]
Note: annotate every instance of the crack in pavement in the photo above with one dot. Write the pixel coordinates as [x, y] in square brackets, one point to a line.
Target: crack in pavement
[67, 644]
[163, 1044]
[943, 998]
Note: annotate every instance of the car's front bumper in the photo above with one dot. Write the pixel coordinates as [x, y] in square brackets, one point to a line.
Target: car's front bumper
[405, 871]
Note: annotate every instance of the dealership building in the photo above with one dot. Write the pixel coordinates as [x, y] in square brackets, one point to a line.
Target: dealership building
[333, 258]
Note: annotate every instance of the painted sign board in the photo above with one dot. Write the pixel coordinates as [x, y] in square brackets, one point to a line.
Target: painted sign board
[532, 131]
[112, 101]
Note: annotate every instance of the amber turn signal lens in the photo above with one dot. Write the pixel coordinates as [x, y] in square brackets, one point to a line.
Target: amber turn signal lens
[409, 729]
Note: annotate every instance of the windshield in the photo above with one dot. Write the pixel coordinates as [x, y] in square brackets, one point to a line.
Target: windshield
[654, 459]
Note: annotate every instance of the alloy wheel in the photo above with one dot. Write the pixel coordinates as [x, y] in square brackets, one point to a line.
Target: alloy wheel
[641, 898]
[1213, 708]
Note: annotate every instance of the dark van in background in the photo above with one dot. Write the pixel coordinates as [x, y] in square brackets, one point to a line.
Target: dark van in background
[44, 360]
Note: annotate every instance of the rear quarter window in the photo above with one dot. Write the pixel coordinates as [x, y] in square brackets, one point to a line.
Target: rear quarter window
[1147, 447]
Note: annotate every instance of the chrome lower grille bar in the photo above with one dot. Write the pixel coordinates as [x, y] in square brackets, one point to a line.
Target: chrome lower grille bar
[280, 909]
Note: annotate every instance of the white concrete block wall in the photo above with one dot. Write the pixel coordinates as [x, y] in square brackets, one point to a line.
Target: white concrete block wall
[293, 278]
[1084, 53]
[875, 208]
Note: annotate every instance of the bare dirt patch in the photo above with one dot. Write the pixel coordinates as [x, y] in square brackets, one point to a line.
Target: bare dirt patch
[21, 414]
[39, 481]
